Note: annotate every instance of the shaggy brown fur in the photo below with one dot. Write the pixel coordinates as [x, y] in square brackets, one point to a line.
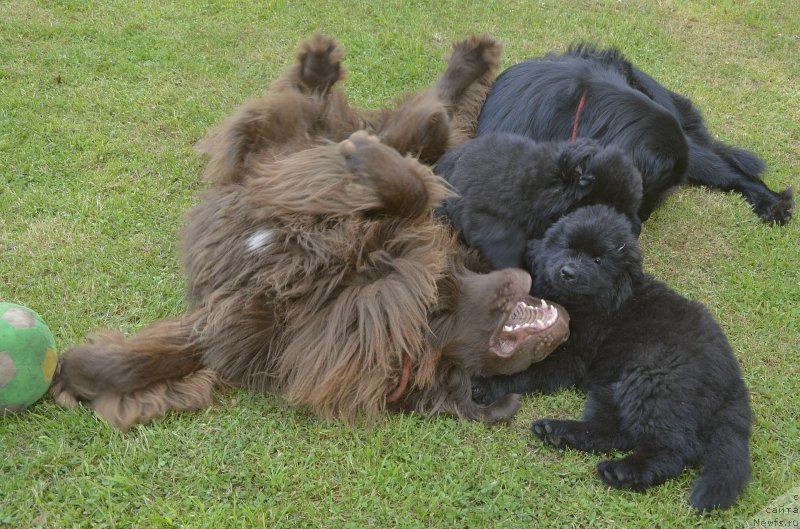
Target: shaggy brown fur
[302, 105]
[316, 269]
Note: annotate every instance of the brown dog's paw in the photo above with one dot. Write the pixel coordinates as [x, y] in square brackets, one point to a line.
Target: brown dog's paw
[501, 410]
[319, 63]
[480, 51]
[62, 395]
[398, 183]
[357, 140]
[472, 60]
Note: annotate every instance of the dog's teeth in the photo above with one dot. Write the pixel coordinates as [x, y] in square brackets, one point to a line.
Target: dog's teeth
[507, 328]
[545, 305]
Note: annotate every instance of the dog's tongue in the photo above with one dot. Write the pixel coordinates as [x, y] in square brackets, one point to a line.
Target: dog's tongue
[531, 317]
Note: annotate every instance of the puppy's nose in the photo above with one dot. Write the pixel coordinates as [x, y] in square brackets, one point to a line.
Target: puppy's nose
[567, 273]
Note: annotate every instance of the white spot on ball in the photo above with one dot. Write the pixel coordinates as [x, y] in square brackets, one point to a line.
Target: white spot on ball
[19, 318]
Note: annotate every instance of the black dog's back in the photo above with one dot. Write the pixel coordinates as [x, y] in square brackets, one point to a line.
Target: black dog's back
[511, 189]
[661, 377]
[662, 131]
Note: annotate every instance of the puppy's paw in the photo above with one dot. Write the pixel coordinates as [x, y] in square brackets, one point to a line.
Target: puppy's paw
[630, 472]
[560, 434]
[319, 60]
[487, 390]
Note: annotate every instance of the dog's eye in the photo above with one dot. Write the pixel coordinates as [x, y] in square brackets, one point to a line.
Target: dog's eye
[621, 247]
[597, 260]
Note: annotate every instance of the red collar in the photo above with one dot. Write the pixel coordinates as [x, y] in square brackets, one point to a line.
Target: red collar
[578, 116]
[398, 392]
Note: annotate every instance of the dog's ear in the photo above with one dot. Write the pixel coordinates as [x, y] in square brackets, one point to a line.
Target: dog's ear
[629, 255]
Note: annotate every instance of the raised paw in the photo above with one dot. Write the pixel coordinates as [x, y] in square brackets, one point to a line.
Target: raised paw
[479, 52]
[560, 434]
[473, 59]
[358, 139]
[398, 182]
[319, 63]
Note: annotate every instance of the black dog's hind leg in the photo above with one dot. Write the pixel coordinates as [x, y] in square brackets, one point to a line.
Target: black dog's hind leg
[730, 169]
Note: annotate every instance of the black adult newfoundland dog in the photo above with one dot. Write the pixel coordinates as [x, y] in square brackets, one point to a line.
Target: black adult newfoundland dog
[661, 378]
[511, 189]
[589, 92]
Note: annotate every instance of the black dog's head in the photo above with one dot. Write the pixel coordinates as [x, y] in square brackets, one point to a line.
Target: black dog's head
[588, 259]
[595, 174]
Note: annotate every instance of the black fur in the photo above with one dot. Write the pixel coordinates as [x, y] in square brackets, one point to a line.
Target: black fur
[662, 130]
[660, 375]
[511, 189]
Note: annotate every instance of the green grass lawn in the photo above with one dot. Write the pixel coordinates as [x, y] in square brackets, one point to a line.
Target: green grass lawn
[101, 104]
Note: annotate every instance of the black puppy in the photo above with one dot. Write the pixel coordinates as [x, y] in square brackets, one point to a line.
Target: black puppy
[599, 94]
[661, 378]
[511, 189]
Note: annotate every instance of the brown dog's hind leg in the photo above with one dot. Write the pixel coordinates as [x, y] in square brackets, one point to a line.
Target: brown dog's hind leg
[299, 105]
[137, 379]
[428, 123]
[419, 126]
[318, 65]
[471, 71]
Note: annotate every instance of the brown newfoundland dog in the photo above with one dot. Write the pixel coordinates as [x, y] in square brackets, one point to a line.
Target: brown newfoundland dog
[317, 272]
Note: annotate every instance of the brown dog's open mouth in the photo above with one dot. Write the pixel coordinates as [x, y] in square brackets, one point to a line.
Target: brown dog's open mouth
[525, 320]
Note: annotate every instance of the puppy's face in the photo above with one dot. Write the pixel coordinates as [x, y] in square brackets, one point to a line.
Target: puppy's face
[595, 174]
[588, 258]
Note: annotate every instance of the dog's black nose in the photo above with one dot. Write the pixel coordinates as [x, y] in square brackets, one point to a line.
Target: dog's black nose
[567, 273]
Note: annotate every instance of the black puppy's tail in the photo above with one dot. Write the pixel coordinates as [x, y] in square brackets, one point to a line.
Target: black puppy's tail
[726, 461]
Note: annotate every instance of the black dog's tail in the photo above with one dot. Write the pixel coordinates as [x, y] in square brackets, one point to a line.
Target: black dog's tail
[726, 461]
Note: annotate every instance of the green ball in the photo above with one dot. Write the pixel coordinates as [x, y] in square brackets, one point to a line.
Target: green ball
[27, 357]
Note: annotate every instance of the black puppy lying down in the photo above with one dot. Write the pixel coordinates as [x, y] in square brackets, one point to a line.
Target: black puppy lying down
[597, 93]
[511, 189]
[661, 378]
